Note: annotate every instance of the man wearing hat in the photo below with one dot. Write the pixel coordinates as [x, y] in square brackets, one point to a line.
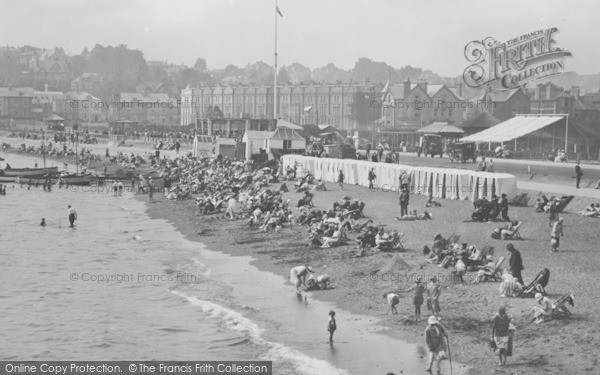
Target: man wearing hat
[435, 334]
[557, 232]
[516, 263]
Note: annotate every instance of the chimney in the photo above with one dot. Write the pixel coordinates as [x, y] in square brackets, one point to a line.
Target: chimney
[423, 86]
[575, 91]
[460, 89]
[538, 91]
[46, 87]
[406, 86]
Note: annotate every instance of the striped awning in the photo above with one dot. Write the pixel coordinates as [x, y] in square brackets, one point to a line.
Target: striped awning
[514, 128]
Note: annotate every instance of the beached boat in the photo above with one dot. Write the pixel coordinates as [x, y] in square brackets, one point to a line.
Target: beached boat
[7, 179]
[28, 172]
[76, 179]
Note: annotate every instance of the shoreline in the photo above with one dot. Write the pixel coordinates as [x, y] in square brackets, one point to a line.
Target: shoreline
[359, 282]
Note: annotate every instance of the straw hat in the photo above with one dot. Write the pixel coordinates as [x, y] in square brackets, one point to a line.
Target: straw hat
[538, 296]
[310, 269]
[432, 320]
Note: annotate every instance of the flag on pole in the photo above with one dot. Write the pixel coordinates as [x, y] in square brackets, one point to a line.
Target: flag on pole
[278, 11]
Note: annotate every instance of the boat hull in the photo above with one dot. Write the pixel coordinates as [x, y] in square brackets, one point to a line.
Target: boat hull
[7, 179]
[29, 172]
[76, 179]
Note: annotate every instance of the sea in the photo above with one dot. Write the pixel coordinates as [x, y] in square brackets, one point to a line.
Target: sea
[124, 286]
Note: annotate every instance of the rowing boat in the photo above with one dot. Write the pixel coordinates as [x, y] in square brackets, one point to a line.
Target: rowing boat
[29, 172]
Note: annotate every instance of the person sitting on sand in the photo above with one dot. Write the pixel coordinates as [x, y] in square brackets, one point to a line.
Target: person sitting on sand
[509, 287]
[323, 281]
[320, 185]
[382, 238]
[509, 231]
[543, 310]
[392, 300]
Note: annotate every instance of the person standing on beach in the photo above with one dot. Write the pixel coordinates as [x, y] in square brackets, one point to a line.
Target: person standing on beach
[371, 177]
[434, 289]
[435, 334]
[504, 207]
[553, 211]
[150, 192]
[556, 234]
[404, 198]
[516, 263]
[405, 180]
[341, 179]
[418, 290]
[500, 334]
[72, 216]
[578, 174]
[331, 326]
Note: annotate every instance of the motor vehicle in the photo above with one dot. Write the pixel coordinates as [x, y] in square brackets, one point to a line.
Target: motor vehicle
[461, 152]
[430, 144]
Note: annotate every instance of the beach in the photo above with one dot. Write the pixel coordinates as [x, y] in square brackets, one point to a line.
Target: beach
[558, 346]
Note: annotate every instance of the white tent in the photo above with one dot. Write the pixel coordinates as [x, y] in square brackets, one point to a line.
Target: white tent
[513, 128]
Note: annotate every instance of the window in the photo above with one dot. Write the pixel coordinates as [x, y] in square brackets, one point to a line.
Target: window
[287, 144]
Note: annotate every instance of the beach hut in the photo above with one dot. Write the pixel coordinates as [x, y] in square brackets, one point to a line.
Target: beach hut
[203, 146]
[286, 141]
[226, 147]
[255, 140]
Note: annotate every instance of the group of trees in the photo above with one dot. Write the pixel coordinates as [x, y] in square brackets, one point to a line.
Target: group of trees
[123, 69]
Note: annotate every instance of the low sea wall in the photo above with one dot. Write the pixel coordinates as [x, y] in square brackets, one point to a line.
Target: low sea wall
[444, 183]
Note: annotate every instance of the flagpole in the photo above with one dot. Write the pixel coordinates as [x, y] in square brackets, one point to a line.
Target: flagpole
[275, 69]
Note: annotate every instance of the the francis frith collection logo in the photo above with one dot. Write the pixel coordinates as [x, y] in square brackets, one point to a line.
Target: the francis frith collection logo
[516, 62]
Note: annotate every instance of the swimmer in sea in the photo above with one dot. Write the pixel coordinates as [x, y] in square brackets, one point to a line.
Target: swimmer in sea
[43, 223]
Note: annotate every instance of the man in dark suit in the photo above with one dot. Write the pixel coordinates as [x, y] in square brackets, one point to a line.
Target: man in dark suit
[516, 263]
[578, 173]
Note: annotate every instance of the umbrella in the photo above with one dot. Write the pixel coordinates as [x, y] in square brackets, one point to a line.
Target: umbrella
[266, 169]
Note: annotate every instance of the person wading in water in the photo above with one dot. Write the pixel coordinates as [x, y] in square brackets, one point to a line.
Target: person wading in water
[72, 216]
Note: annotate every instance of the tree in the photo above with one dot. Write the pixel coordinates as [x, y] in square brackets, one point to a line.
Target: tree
[363, 110]
[200, 65]
[283, 76]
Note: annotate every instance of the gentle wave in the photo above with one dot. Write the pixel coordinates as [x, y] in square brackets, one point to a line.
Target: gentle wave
[275, 351]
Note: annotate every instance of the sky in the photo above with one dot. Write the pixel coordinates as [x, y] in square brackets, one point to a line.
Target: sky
[430, 34]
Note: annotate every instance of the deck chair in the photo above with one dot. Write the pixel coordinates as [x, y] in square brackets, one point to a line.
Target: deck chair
[487, 250]
[559, 308]
[359, 228]
[495, 274]
[538, 285]
[399, 246]
[336, 241]
[515, 235]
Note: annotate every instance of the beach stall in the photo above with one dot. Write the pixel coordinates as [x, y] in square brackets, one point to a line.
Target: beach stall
[286, 141]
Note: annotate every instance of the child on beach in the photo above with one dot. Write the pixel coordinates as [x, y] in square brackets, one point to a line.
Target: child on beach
[418, 289]
[331, 326]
